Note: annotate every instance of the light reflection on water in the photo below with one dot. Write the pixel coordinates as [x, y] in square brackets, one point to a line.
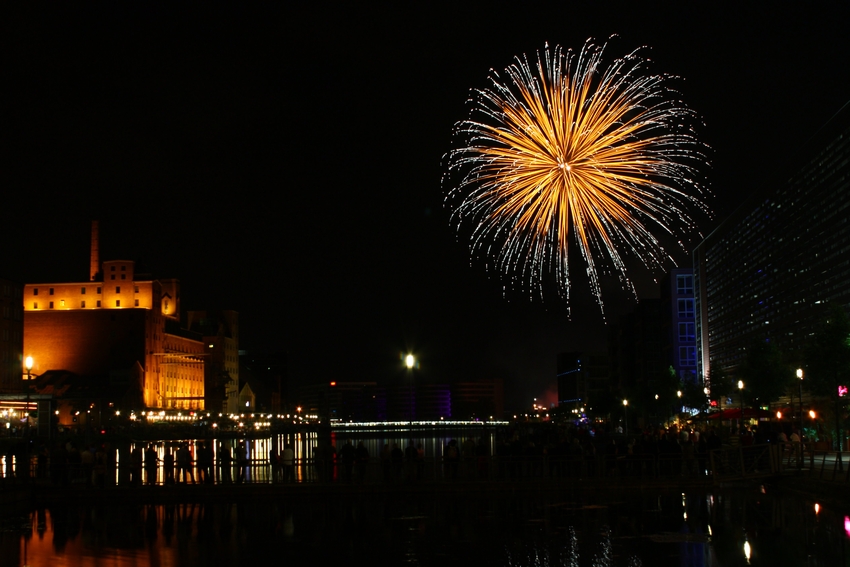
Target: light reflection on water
[447, 528]
[304, 445]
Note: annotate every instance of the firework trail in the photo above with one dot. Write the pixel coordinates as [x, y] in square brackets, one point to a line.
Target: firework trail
[565, 150]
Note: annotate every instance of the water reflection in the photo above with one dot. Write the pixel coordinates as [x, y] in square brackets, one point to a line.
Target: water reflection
[130, 460]
[454, 527]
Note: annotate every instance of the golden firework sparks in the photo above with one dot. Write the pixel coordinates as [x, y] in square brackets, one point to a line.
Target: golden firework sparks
[567, 145]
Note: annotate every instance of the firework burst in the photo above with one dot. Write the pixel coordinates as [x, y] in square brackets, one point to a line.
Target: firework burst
[566, 150]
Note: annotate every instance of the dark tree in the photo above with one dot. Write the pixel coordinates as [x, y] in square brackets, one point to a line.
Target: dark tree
[720, 383]
[828, 362]
[666, 389]
[766, 376]
[693, 396]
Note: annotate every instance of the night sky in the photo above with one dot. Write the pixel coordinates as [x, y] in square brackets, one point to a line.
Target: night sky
[287, 164]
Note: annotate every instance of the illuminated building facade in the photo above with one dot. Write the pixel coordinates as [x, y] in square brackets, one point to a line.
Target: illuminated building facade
[98, 327]
[11, 337]
[769, 271]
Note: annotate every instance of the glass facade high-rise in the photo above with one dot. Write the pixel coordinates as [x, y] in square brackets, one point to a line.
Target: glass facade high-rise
[677, 295]
[769, 271]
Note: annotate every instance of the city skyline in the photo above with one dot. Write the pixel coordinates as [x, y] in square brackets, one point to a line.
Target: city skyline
[287, 165]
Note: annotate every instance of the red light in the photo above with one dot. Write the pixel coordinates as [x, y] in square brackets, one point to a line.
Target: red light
[842, 391]
[713, 403]
[103, 432]
[333, 383]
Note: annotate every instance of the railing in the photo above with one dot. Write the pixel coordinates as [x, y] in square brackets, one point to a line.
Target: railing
[818, 463]
[731, 463]
[743, 462]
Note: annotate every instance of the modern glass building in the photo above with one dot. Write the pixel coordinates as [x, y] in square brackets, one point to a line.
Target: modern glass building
[769, 271]
[679, 317]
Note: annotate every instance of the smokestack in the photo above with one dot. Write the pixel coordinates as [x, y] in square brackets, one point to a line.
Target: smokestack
[94, 268]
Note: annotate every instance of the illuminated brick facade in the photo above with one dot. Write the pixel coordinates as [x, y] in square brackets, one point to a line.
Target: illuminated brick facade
[98, 327]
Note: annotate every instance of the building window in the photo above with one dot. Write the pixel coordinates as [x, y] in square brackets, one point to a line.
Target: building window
[123, 276]
[117, 303]
[123, 268]
[82, 291]
[50, 291]
[136, 289]
[137, 303]
[35, 291]
[112, 277]
[98, 303]
[688, 356]
[111, 268]
[685, 284]
[686, 308]
[50, 305]
[98, 291]
[62, 303]
[687, 331]
[118, 289]
[83, 304]
[35, 305]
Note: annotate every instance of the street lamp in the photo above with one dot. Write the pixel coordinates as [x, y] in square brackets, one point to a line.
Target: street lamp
[410, 363]
[626, 415]
[741, 395]
[800, 456]
[800, 376]
[28, 364]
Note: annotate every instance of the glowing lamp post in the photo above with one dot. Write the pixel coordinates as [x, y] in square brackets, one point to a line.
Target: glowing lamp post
[626, 415]
[679, 406]
[28, 364]
[799, 458]
[800, 376]
[410, 363]
[741, 395]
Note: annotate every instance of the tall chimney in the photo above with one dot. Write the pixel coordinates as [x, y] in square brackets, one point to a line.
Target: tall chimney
[94, 269]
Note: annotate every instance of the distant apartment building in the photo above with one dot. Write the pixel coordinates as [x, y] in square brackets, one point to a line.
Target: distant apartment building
[220, 335]
[266, 372]
[481, 399]
[636, 349]
[434, 401]
[583, 379]
[344, 401]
